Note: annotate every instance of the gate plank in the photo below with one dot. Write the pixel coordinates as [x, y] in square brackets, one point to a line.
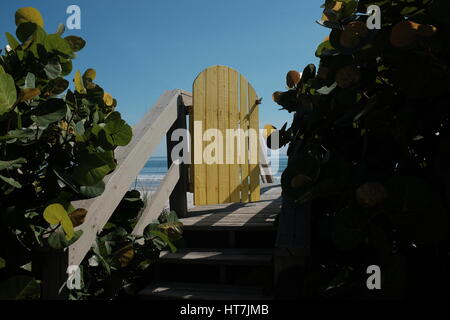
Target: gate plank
[235, 181]
[244, 125]
[254, 145]
[212, 184]
[198, 169]
[223, 125]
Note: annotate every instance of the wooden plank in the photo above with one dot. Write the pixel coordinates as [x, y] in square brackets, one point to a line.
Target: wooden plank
[223, 124]
[254, 171]
[197, 291]
[235, 185]
[186, 97]
[212, 177]
[191, 166]
[232, 218]
[219, 256]
[198, 168]
[158, 200]
[178, 197]
[244, 125]
[131, 159]
[268, 193]
[265, 166]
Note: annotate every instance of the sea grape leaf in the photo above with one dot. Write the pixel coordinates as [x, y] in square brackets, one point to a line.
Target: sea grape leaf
[79, 86]
[56, 214]
[59, 241]
[13, 43]
[11, 182]
[53, 69]
[12, 164]
[93, 168]
[53, 110]
[8, 93]
[76, 43]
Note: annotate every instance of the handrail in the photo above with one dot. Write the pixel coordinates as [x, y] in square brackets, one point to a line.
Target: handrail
[130, 161]
[158, 200]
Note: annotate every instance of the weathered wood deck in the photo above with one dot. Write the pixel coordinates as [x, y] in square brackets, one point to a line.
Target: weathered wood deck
[253, 215]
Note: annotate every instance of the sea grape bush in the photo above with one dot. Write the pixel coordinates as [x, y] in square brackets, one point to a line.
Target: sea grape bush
[370, 138]
[119, 261]
[56, 146]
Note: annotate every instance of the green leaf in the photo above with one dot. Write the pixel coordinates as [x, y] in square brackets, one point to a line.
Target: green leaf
[66, 68]
[30, 81]
[56, 86]
[163, 237]
[11, 182]
[350, 8]
[12, 164]
[102, 252]
[21, 134]
[95, 95]
[66, 179]
[170, 217]
[2, 263]
[19, 288]
[93, 168]
[59, 241]
[54, 43]
[13, 43]
[53, 69]
[120, 132]
[61, 29]
[93, 191]
[79, 128]
[325, 49]
[76, 43]
[26, 30]
[79, 86]
[8, 93]
[174, 230]
[52, 111]
[56, 214]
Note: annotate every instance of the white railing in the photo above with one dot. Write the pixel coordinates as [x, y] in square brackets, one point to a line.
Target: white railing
[131, 159]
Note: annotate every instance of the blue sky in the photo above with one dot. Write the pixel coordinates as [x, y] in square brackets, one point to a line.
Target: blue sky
[142, 47]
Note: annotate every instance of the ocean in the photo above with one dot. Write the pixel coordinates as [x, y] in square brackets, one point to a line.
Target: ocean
[156, 168]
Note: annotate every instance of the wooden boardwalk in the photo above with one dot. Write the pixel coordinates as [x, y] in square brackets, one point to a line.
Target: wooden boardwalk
[220, 261]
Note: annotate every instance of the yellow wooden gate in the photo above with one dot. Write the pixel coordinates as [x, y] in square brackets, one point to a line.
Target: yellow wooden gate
[224, 171]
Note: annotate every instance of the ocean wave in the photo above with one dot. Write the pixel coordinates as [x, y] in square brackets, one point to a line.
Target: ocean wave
[156, 177]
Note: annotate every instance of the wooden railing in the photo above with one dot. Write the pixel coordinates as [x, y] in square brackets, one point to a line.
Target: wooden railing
[167, 115]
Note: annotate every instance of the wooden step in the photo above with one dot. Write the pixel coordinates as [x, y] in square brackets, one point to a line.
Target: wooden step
[223, 221]
[253, 257]
[195, 291]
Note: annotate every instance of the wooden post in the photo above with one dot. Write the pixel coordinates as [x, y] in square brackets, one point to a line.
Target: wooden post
[178, 197]
[51, 267]
[293, 246]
